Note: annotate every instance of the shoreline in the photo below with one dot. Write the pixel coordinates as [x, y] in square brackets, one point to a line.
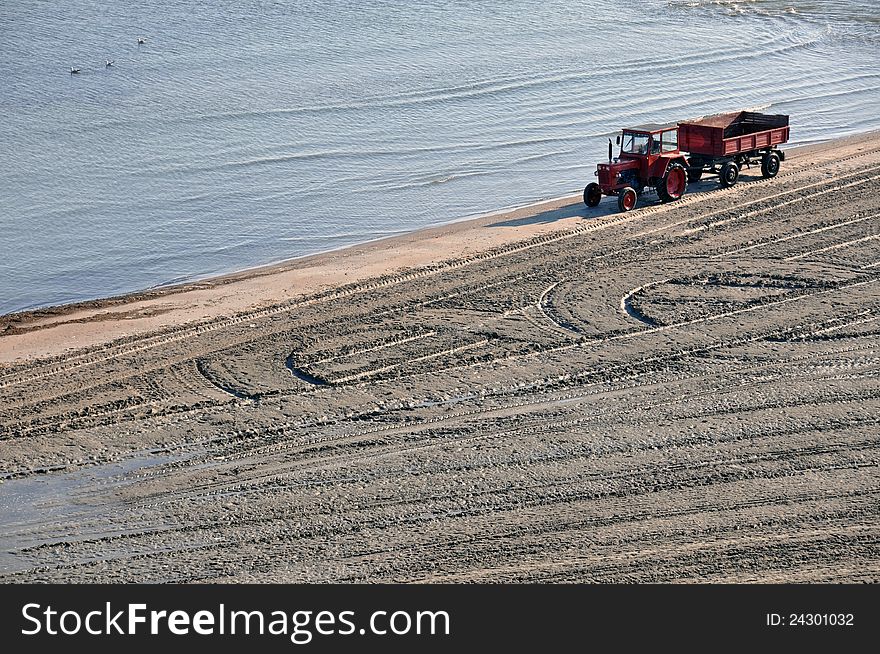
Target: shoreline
[53, 330]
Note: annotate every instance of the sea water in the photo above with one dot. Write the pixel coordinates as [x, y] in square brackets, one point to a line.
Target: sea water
[243, 132]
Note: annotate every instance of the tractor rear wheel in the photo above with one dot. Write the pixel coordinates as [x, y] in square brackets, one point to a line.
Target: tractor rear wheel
[673, 184]
[627, 198]
[770, 164]
[729, 174]
[592, 194]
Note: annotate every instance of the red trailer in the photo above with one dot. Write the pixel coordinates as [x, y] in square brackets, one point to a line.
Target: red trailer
[666, 157]
[724, 143]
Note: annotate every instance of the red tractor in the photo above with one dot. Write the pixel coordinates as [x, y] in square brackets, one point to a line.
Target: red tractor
[649, 156]
[715, 145]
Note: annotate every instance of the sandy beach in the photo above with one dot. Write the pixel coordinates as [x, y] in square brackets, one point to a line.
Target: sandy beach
[686, 392]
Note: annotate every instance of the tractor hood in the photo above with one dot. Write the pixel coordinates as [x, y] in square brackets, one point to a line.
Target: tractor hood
[619, 165]
[609, 172]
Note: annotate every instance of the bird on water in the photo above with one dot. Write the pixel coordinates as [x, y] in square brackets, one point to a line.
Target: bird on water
[73, 71]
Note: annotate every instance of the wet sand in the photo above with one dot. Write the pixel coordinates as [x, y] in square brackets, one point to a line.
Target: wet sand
[687, 392]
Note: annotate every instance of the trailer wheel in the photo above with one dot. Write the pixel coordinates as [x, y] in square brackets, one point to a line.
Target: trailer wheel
[627, 198]
[592, 194]
[694, 174]
[673, 184]
[729, 174]
[770, 164]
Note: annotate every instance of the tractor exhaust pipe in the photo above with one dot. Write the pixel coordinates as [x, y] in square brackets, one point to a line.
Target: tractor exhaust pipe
[610, 151]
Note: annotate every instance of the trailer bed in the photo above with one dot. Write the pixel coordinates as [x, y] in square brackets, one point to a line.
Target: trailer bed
[725, 135]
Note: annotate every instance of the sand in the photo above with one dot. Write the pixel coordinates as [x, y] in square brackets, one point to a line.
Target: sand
[687, 392]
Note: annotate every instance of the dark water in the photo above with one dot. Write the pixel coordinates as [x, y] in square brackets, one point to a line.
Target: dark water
[245, 132]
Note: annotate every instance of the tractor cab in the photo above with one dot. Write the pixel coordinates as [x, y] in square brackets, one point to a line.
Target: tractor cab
[644, 160]
[649, 141]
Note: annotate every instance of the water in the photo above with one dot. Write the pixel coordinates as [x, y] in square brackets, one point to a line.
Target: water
[249, 131]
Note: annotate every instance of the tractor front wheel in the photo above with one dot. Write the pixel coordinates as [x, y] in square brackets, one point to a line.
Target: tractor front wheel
[627, 198]
[592, 194]
[770, 164]
[729, 174]
[673, 184]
